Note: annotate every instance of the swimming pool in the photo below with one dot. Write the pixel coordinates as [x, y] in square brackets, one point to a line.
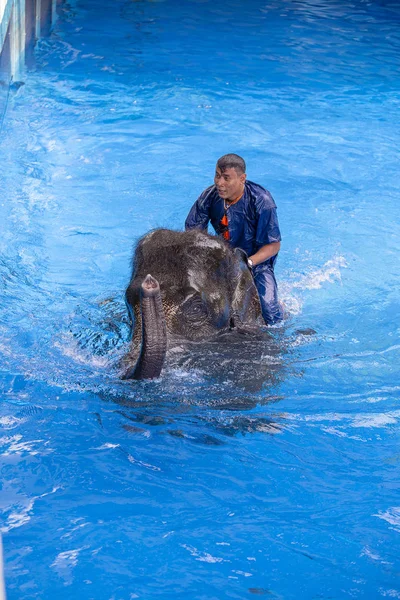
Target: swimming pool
[280, 478]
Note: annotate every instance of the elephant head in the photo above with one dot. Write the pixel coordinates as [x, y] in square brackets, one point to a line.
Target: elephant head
[184, 285]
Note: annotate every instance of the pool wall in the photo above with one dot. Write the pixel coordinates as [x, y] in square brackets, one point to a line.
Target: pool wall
[2, 586]
[22, 23]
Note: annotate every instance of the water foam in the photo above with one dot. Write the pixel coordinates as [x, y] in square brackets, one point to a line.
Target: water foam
[329, 273]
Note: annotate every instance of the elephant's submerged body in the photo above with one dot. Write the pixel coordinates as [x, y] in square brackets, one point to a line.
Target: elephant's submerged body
[185, 285]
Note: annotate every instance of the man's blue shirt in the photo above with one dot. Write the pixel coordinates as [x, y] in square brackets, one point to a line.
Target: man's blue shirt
[252, 221]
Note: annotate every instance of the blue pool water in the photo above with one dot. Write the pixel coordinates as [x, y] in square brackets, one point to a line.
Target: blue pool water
[272, 472]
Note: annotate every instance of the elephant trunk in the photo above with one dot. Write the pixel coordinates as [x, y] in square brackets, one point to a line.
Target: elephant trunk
[154, 333]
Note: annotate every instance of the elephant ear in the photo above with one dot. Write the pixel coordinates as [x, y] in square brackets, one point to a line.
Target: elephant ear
[245, 301]
[242, 255]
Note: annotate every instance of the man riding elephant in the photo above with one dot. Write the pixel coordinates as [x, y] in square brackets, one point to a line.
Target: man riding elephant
[244, 214]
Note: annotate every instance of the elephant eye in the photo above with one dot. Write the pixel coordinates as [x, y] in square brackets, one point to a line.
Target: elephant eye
[194, 310]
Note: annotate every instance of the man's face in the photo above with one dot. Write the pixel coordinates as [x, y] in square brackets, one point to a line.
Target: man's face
[228, 183]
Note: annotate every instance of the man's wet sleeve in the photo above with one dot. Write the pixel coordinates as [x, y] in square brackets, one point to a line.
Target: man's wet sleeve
[268, 227]
[199, 214]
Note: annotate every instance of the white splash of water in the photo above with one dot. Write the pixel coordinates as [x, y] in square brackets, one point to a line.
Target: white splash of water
[329, 273]
[70, 348]
[202, 556]
[22, 514]
[15, 446]
[391, 516]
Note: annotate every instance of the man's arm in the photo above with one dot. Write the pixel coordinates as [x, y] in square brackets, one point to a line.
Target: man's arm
[199, 213]
[268, 236]
[265, 252]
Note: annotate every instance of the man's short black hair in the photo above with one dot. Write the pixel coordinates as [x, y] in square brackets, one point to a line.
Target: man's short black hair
[232, 161]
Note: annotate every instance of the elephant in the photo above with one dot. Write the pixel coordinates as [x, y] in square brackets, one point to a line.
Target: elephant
[185, 286]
